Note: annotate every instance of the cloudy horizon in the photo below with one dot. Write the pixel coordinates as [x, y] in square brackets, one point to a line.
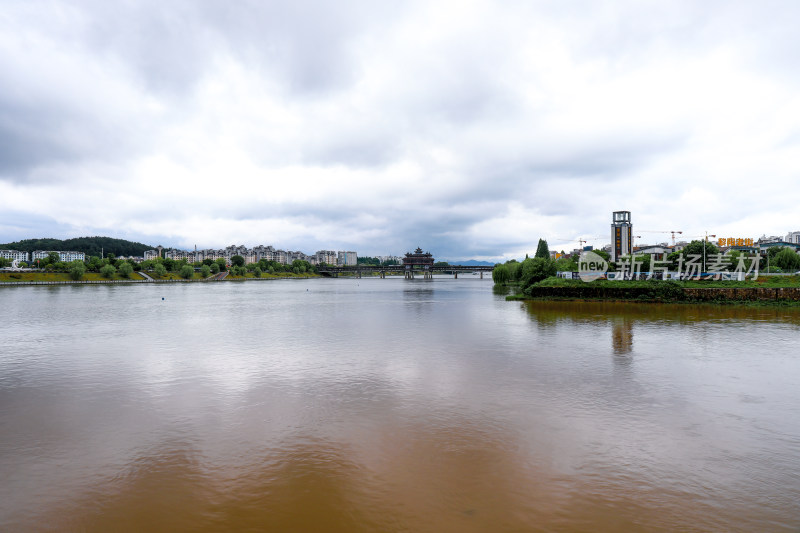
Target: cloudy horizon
[468, 129]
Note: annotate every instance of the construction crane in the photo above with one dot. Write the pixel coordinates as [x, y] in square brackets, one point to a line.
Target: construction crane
[673, 232]
[580, 240]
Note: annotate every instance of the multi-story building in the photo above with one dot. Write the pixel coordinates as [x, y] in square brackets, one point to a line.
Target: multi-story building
[281, 257]
[328, 257]
[347, 259]
[176, 255]
[264, 252]
[65, 257]
[296, 256]
[68, 257]
[793, 237]
[257, 253]
[621, 234]
[14, 255]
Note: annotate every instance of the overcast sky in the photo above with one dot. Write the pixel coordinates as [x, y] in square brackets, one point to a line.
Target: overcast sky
[470, 129]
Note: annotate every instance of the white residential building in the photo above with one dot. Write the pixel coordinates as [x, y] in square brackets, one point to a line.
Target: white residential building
[793, 237]
[326, 256]
[14, 255]
[264, 252]
[68, 257]
[347, 259]
[65, 257]
[296, 256]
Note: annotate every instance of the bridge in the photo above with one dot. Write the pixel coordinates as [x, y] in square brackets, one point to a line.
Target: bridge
[408, 271]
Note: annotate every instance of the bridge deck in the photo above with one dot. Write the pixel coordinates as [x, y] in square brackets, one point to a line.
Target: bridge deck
[402, 268]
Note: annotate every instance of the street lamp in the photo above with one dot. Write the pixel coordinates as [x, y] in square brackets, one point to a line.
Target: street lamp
[704, 251]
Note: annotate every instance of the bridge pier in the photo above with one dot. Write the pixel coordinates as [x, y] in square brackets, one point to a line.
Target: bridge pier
[481, 274]
[455, 274]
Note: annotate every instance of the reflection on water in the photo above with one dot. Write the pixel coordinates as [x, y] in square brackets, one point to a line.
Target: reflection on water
[392, 405]
[622, 335]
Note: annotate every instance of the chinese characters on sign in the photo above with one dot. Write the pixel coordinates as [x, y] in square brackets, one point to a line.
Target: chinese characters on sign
[729, 241]
[690, 267]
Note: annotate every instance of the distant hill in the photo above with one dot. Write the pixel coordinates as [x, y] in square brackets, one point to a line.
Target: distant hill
[88, 245]
[472, 263]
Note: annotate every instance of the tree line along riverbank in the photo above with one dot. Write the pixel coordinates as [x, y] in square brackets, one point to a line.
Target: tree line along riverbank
[535, 278]
[110, 268]
[783, 290]
[63, 278]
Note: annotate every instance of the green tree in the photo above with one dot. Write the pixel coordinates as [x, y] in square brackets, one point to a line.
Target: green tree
[500, 274]
[186, 271]
[237, 260]
[125, 269]
[536, 270]
[566, 264]
[169, 264]
[645, 261]
[602, 253]
[108, 271]
[214, 268]
[514, 270]
[53, 258]
[696, 247]
[223, 266]
[205, 271]
[257, 272]
[786, 259]
[160, 270]
[302, 266]
[76, 270]
[542, 251]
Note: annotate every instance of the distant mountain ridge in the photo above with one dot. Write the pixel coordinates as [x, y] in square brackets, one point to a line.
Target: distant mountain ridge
[472, 262]
[88, 245]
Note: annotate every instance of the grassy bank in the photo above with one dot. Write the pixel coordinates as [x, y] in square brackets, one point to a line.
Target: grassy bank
[63, 277]
[781, 291]
[277, 275]
[763, 281]
[27, 277]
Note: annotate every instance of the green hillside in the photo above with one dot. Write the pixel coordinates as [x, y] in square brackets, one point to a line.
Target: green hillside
[88, 245]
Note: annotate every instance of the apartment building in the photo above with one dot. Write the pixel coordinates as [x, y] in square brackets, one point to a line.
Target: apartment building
[14, 255]
[347, 259]
[64, 257]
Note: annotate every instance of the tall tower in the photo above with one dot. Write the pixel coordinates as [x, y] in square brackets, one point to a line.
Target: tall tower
[621, 231]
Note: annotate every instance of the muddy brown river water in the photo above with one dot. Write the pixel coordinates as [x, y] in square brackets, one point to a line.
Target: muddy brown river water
[392, 405]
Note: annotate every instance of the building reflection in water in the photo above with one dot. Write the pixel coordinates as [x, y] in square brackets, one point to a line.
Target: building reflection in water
[622, 335]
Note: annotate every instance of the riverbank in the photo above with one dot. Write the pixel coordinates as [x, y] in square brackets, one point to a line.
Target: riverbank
[764, 291]
[93, 278]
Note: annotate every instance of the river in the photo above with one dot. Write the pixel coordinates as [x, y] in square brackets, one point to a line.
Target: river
[391, 405]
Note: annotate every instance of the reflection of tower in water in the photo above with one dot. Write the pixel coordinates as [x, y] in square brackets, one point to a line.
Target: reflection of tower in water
[622, 335]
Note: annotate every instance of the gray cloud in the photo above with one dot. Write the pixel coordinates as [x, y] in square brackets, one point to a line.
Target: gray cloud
[466, 129]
